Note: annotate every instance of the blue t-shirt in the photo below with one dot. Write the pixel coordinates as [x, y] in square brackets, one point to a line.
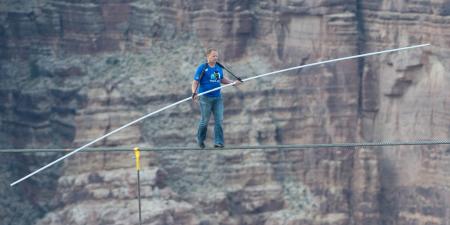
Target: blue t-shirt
[210, 80]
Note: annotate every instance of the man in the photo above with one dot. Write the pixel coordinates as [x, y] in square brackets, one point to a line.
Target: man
[209, 76]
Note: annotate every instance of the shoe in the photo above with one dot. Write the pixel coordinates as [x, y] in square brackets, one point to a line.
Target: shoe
[201, 145]
[218, 146]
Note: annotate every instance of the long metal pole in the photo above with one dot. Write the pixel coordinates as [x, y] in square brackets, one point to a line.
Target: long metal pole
[215, 89]
[137, 154]
[139, 196]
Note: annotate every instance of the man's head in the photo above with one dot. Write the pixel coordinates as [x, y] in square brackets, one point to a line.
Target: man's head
[212, 55]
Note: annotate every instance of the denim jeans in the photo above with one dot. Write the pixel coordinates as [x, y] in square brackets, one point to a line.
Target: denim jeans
[208, 105]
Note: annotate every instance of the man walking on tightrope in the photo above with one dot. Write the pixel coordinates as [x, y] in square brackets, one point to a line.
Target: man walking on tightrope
[209, 76]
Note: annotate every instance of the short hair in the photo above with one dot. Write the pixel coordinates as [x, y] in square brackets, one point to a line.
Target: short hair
[209, 50]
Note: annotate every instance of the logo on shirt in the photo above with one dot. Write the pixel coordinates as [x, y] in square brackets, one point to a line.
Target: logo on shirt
[215, 77]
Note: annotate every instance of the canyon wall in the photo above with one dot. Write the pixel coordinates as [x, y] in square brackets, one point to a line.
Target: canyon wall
[72, 71]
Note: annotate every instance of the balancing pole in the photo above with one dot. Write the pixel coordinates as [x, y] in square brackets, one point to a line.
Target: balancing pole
[203, 93]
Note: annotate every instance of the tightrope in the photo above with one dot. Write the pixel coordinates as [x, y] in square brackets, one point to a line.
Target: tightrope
[242, 147]
[200, 94]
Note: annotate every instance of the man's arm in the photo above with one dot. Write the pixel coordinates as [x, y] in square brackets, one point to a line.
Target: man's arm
[194, 86]
[228, 81]
[194, 90]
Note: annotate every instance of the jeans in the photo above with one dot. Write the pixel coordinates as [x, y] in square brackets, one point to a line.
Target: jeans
[208, 105]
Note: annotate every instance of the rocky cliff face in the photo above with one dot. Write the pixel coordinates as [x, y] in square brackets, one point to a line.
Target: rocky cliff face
[72, 71]
[326, 186]
[406, 99]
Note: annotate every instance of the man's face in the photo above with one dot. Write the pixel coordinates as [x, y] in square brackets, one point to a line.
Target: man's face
[213, 56]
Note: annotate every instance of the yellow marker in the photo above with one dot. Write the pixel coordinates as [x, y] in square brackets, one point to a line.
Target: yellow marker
[137, 153]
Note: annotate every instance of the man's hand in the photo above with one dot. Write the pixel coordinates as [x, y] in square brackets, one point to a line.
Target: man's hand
[194, 97]
[237, 83]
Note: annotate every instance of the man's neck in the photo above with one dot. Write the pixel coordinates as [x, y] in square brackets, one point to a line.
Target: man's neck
[211, 64]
